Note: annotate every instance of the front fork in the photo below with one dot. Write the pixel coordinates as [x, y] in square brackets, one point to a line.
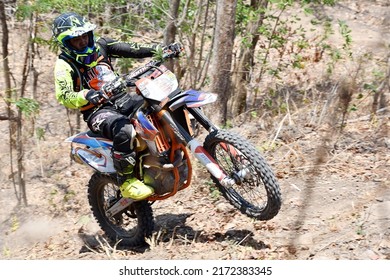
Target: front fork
[198, 150]
[211, 165]
[202, 155]
[202, 119]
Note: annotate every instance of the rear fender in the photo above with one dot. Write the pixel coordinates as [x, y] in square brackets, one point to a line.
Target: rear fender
[95, 154]
[90, 139]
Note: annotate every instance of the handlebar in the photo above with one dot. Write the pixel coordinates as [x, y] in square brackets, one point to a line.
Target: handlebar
[119, 84]
[153, 64]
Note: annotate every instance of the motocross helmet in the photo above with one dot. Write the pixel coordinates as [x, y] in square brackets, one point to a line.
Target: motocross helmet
[70, 25]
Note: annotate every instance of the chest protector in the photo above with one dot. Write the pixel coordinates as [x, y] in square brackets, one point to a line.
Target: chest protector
[90, 78]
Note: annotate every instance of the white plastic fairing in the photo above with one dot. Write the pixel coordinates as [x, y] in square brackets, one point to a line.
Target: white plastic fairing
[160, 87]
[99, 159]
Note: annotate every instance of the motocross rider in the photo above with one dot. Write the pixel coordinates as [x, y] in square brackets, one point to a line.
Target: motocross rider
[80, 71]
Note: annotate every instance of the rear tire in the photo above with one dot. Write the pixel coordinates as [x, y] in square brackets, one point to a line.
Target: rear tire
[258, 194]
[132, 225]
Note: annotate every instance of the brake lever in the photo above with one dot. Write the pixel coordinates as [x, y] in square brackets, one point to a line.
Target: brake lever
[106, 98]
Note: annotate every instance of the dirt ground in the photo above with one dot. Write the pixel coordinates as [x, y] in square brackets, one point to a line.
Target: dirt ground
[337, 210]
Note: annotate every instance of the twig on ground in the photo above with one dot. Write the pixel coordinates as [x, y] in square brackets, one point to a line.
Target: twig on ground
[278, 131]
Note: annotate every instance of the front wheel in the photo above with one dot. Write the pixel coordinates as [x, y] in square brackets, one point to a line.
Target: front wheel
[256, 192]
[132, 225]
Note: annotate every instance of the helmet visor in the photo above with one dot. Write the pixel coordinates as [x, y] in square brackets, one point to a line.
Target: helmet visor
[75, 31]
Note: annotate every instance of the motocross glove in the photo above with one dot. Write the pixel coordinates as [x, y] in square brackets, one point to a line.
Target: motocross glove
[175, 48]
[95, 97]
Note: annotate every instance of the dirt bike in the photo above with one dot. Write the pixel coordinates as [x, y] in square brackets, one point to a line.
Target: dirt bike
[165, 140]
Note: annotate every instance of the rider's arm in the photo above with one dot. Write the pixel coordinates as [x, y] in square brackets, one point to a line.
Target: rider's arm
[64, 88]
[127, 49]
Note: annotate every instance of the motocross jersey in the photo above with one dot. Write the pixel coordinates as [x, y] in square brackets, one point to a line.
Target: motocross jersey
[74, 80]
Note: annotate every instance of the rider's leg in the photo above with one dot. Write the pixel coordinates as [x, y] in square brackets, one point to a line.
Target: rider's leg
[117, 127]
[124, 162]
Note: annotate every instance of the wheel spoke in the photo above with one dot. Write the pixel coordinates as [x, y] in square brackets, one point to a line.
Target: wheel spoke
[232, 161]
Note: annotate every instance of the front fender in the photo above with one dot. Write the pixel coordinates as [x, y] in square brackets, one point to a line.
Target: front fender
[192, 98]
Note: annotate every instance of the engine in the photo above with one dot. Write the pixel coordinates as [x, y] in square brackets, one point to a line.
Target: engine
[158, 172]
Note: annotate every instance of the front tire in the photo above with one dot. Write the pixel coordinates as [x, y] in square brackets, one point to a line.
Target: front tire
[257, 194]
[132, 225]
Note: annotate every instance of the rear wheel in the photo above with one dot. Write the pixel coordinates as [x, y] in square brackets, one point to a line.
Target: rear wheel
[256, 192]
[132, 225]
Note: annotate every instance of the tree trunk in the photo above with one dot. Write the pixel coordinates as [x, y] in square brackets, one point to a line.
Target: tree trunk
[246, 58]
[8, 90]
[193, 67]
[170, 32]
[222, 53]
[28, 62]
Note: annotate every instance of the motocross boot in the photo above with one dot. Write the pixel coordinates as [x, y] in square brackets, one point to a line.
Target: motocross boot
[130, 186]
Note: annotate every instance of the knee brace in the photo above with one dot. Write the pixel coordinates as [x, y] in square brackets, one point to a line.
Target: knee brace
[124, 140]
